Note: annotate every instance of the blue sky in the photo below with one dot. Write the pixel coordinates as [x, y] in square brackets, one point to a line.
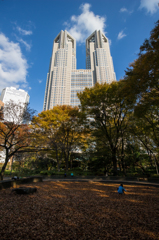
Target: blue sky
[28, 28]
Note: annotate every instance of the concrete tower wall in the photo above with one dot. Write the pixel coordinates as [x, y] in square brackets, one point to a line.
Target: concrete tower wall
[63, 60]
[64, 80]
[98, 53]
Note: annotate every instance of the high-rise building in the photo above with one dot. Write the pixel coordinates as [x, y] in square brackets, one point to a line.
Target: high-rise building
[64, 80]
[17, 96]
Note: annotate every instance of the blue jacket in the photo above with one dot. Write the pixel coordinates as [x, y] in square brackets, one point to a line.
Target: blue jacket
[121, 189]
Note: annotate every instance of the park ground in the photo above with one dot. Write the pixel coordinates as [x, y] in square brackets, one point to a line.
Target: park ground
[80, 210]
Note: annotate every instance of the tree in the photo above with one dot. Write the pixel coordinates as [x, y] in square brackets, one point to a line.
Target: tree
[142, 78]
[100, 156]
[14, 131]
[141, 83]
[59, 131]
[107, 115]
[142, 130]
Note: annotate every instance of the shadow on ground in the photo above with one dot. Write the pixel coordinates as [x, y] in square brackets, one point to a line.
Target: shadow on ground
[80, 210]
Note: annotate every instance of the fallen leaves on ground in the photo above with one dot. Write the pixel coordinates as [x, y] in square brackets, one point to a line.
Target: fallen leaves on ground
[80, 210]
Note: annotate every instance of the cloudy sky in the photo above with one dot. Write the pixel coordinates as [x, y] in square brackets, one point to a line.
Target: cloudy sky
[28, 28]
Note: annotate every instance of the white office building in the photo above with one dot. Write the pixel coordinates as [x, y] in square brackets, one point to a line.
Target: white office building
[64, 80]
[17, 96]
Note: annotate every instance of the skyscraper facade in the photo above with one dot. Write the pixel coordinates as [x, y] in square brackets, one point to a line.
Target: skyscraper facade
[64, 80]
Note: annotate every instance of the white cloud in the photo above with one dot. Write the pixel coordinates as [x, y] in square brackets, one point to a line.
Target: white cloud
[121, 35]
[123, 10]
[40, 81]
[27, 45]
[13, 66]
[23, 32]
[110, 42]
[151, 5]
[85, 23]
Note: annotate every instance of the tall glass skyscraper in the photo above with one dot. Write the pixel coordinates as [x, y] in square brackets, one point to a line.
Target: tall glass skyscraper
[64, 80]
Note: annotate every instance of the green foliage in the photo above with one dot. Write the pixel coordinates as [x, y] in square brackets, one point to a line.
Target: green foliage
[116, 130]
[59, 131]
[143, 75]
[109, 113]
[46, 172]
[14, 132]
[8, 172]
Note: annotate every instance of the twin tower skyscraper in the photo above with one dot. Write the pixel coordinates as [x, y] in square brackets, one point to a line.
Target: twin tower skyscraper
[64, 80]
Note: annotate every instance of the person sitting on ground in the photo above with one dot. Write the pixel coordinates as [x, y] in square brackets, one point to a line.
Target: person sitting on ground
[120, 189]
[71, 174]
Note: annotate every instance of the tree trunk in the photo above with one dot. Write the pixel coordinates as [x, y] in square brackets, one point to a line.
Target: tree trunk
[114, 160]
[122, 157]
[66, 161]
[142, 168]
[67, 156]
[11, 164]
[150, 158]
[4, 166]
[58, 163]
[123, 166]
[58, 166]
[156, 164]
[71, 162]
[3, 169]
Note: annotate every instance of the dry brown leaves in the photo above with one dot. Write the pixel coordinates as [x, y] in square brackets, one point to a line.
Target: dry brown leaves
[80, 210]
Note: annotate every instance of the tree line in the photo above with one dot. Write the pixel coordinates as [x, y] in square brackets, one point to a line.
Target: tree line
[115, 127]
